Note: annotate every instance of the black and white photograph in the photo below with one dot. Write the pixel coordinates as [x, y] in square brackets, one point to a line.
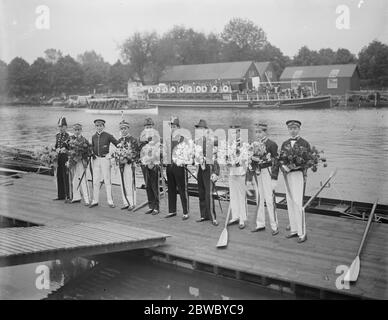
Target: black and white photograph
[214, 151]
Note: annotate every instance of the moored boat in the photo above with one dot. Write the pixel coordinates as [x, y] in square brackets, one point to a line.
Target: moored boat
[278, 95]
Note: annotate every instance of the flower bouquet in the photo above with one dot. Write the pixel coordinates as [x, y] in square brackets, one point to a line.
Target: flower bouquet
[47, 156]
[301, 158]
[124, 154]
[183, 153]
[238, 155]
[260, 155]
[79, 149]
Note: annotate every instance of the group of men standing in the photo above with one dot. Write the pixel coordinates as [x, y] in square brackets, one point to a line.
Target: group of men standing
[264, 173]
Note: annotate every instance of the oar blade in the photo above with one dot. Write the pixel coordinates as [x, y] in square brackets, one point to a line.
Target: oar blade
[223, 240]
[354, 270]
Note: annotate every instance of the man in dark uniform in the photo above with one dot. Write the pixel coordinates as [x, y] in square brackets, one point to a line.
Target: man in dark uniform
[176, 177]
[206, 176]
[151, 173]
[61, 146]
[295, 183]
[101, 141]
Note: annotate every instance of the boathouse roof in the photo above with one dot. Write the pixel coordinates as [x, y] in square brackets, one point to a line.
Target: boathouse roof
[209, 71]
[323, 71]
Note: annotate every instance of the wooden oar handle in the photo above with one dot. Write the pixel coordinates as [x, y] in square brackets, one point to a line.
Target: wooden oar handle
[320, 189]
[367, 227]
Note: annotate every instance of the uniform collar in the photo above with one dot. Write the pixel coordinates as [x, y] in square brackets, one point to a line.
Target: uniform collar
[263, 140]
[295, 139]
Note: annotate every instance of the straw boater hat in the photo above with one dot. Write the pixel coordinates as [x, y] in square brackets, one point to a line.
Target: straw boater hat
[62, 122]
[290, 123]
[148, 122]
[97, 121]
[124, 124]
[201, 124]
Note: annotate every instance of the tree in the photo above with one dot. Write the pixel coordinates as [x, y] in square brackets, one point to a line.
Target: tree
[3, 77]
[68, 76]
[373, 63]
[52, 55]
[119, 74]
[95, 70]
[326, 56]
[344, 56]
[39, 75]
[306, 57]
[137, 50]
[275, 55]
[18, 81]
[242, 39]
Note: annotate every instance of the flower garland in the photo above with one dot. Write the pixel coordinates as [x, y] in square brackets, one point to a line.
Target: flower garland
[150, 154]
[183, 153]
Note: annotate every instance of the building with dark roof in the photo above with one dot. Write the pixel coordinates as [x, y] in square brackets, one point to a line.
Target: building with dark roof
[239, 72]
[330, 79]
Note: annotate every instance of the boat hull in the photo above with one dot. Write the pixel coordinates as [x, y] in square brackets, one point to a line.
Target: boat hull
[151, 111]
[314, 103]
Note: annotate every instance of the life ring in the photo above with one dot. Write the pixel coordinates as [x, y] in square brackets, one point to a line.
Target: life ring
[204, 89]
[181, 89]
[165, 90]
[189, 89]
[172, 89]
[150, 90]
[225, 88]
[214, 89]
[198, 89]
[157, 89]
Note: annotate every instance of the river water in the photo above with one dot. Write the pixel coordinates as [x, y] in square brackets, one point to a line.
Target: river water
[355, 141]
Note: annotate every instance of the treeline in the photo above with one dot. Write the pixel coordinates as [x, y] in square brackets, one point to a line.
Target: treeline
[144, 57]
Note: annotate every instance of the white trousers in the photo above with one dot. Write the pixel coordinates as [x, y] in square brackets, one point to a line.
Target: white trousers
[265, 193]
[238, 200]
[101, 171]
[295, 203]
[78, 170]
[129, 185]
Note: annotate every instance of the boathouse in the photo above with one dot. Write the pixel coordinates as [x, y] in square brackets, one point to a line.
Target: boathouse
[330, 79]
[238, 74]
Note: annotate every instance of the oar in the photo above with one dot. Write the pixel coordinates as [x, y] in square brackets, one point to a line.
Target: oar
[141, 205]
[223, 240]
[354, 270]
[320, 189]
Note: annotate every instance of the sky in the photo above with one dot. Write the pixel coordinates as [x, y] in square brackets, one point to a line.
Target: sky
[75, 26]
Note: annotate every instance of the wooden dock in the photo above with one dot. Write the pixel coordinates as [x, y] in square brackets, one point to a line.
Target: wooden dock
[43, 243]
[274, 262]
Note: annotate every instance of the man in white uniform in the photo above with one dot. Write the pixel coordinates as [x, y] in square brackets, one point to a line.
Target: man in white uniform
[266, 170]
[79, 168]
[101, 141]
[294, 183]
[127, 170]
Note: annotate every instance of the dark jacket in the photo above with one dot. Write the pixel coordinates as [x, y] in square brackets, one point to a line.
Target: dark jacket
[272, 149]
[300, 142]
[101, 142]
[61, 140]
